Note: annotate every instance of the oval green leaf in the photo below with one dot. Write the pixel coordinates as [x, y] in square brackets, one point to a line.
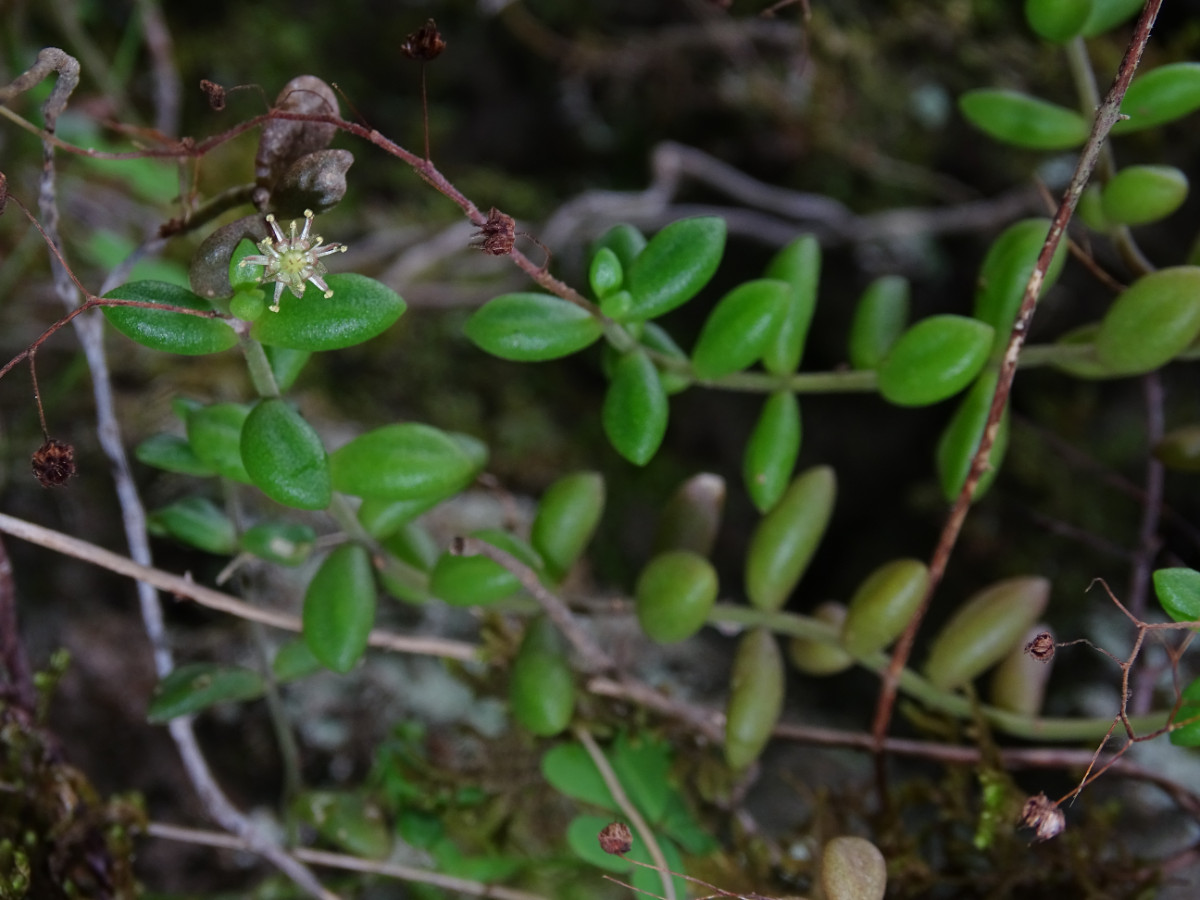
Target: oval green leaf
[1024, 121]
[359, 309]
[285, 457]
[403, 462]
[159, 329]
[675, 265]
[531, 327]
[172, 453]
[883, 604]
[772, 450]
[740, 327]
[197, 522]
[934, 359]
[1159, 96]
[1140, 194]
[799, 265]
[1005, 273]
[957, 446]
[635, 408]
[755, 697]
[985, 629]
[566, 519]
[674, 595]
[625, 241]
[285, 543]
[191, 688]
[215, 434]
[879, 319]
[477, 580]
[541, 687]
[1178, 591]
[1057, 20]
[786, 539]
[1151, 322]
[605, 274]
[339, 608]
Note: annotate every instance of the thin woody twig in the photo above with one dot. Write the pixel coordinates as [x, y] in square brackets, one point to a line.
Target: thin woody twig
[205, 596]
[1106, 116]
[593, 656]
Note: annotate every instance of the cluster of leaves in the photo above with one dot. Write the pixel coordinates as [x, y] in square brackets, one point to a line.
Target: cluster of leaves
[377, 487]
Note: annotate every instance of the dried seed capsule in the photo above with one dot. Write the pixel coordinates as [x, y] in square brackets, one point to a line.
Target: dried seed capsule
[1019, 682]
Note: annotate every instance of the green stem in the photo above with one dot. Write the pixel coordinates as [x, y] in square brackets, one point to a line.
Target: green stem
[912, 684]
[261, 374]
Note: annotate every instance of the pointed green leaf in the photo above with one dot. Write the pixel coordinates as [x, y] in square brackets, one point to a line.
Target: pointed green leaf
[191, 688]
[172, 332]
[772, 450]
[359, 309]
[285, 457]
[196, 521]
[934, 360]
[635, 408]
[566, 519]
[675, 265]
[404, 462]
[605, 274]
[1159, 96]
[1178, 591]
[215, 433]
[339, 608]
[879, 319]
[1024, 121]
[799, 265]
[285, 543]
[740, 327]
[532, 327]
[623, 240]
[172, 454]
[1151, 322]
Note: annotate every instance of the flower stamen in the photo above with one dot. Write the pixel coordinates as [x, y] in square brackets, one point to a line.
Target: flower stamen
[293, 260]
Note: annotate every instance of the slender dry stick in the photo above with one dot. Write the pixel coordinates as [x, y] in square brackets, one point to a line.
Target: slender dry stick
[594, 657]
[348, 863]
[631, 812]
[1106, 116]
[185, 587]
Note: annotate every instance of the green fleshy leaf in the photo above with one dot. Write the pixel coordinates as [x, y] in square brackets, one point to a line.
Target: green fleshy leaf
[532, 327]
[404, 462]
[172, 453]
[294, 661]
[1159, 96]
[879, 319]
[934, 360]
[605, 274]
[285, 543]
[339, 608]
[171, 332]
[635, 409]
[567, 516]
[675, 265]
[799, 265]
[285, 457]
[623, 240]
[359, 309]
[347, 819]
[1178, 591]
[740, 328]
[189, 689]
[195, 521]
[1024, 121]
[477, 580]
[215, 433]
[772, 450]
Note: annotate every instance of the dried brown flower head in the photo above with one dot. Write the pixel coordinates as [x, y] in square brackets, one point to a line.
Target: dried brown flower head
[499, 233]
[1044, 816]
[54, 463]
[1041, 647]
[215, 94]
[616, 838]
[424, 44]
